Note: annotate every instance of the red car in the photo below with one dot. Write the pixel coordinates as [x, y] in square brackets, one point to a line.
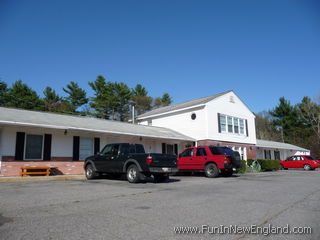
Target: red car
[300, 161]
[211, 160]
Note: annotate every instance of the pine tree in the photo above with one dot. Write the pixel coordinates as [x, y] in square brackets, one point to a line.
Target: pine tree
[20, 95]
[3, 93]
[140, 99]
[76, 96]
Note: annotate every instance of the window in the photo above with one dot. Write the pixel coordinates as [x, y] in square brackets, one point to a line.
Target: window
[241, 126]
[193, 116]
[230, 127]
[217, 150]
[107, 150]
[223, 123]
[267, 154]
[187, 153]
[236, 125]
[201, 152]
[85, 148]
[34, 145]
[231, 124]
[170, 149]
[310, 158]
[115, 150]
[277, 155]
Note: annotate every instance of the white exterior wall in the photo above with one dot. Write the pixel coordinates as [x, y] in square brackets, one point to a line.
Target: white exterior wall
[62, 145]
[181, 122]
[284, 153]
[8, 141]
[223, 105]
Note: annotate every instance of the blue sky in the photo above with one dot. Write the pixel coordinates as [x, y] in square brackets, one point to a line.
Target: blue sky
[260, 49]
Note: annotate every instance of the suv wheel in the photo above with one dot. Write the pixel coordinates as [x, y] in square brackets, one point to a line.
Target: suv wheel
[90, 172]
[133, 174]
[211, 170]
[307, 167]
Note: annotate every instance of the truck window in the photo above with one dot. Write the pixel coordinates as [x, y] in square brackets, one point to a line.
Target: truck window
[201, 152]
[139, 148]
[115, 149]
[107, 150]
[187, 153]
[216, 150]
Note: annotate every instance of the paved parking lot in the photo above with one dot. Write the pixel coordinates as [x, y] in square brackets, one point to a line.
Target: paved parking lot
[115, 209]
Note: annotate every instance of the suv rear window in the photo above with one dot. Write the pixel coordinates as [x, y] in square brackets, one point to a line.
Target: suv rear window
[216, 150]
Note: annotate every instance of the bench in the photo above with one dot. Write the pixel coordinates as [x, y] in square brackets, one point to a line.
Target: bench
[35, 171]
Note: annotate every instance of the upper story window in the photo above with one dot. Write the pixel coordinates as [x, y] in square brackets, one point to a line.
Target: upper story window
[229, 124]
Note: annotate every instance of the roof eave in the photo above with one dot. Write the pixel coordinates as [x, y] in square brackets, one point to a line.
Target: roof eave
[174, 111]
[14, 123]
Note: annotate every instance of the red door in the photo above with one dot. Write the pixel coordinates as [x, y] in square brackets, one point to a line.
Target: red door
[185, 159]
[289, 163]
[299, 162]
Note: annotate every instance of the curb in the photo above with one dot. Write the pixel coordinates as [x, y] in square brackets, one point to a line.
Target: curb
[42, 178]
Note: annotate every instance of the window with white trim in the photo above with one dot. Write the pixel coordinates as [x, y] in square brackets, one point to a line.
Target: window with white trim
[236, 125]
[229, 124]
[34, 147]
[223, 123]
[241, 121]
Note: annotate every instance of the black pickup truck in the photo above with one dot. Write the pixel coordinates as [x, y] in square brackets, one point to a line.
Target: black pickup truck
[119, 158]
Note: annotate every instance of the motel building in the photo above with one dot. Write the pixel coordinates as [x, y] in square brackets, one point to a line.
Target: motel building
[60, 141]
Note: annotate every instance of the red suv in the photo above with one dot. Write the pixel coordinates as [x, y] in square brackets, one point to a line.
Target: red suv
[211, 160]
[300, 161]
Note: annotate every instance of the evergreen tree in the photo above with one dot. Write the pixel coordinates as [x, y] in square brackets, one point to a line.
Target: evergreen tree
[166, 99]
[141, 100]
[3, 93]
[103, 101]
[122, 97]
[54, 103]
[20, 95]
[285, 119]
[76, 95]
[111, 99]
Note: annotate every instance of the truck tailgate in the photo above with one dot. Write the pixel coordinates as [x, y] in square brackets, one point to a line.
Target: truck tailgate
[163, 160]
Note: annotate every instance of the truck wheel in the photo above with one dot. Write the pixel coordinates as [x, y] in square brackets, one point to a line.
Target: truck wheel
[161, 177]
[90, 172]
[133, 174]
[227, 173]
[211, 170]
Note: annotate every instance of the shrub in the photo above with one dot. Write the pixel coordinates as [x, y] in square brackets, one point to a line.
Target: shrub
[243, 167]
[268, 164]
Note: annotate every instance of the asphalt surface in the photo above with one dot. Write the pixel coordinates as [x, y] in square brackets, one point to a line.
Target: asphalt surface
[115, 209]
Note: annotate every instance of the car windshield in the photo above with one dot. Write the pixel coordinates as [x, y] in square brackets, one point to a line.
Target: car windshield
[310, 158]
